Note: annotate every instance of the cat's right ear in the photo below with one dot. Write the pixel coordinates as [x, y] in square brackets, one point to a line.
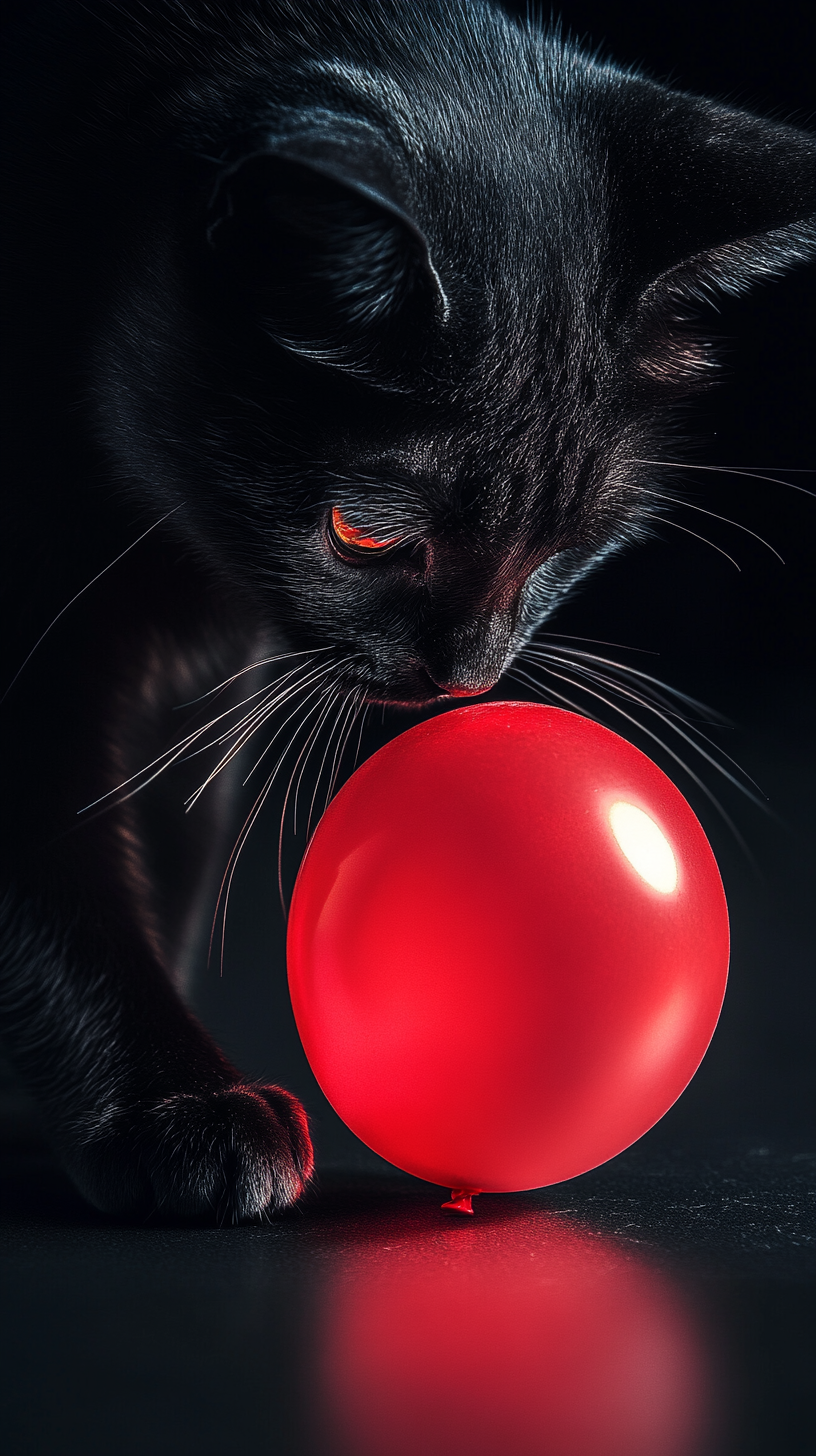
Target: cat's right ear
[315, 226]
[706, 198]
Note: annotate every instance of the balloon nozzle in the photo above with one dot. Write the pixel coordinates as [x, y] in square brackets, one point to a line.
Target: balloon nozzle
[461, 1200]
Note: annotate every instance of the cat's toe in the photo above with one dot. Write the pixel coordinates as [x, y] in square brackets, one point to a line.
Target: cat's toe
[234, 1154]
[226, 1155]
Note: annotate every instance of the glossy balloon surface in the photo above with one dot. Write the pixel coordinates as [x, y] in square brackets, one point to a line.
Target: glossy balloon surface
[508, 947]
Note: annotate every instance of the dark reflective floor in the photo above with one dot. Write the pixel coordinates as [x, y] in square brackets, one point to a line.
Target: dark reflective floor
[661, 1306]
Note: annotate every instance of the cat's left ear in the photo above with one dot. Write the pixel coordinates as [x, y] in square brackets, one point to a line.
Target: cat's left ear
[314, 223]
[705, 197]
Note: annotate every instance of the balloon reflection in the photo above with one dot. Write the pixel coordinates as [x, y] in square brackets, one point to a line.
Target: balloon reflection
[547, 1341]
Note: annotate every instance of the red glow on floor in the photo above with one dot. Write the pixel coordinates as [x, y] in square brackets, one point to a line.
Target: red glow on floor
[561, 1344]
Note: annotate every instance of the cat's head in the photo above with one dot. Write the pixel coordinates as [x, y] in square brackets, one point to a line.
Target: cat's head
[410, 314]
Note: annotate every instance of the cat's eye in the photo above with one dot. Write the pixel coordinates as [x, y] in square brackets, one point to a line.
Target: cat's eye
[355, 541]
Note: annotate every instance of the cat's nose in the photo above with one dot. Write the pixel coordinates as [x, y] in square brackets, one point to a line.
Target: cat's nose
[465, 690]
[469, 659]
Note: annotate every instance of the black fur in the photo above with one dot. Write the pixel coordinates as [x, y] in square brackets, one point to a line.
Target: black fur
[404, 257]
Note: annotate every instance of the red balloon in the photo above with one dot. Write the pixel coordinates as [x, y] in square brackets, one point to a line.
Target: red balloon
[508, 947]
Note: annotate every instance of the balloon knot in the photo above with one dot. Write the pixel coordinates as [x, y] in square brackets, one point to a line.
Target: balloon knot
[461, 1200]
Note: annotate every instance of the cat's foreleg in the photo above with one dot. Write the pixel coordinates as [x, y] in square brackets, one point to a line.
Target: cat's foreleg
[145, 1111]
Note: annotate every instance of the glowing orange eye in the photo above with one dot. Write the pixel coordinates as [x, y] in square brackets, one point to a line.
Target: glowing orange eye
[355, 538]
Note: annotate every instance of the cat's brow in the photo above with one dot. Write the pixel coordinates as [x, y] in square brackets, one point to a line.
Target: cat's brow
[419, 466]
[379, 92]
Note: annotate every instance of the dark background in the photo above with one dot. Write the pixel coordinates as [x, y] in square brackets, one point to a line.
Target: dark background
[742, 641]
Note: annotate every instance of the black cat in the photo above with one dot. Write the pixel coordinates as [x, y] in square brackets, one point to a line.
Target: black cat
[363, 317]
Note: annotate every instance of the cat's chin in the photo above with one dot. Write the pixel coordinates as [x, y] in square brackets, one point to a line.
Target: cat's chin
[421, 692]
[411, 688]
[383, 697]
[424, 700]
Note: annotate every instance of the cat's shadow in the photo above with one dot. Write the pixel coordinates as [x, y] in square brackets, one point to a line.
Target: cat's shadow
[34, 1190]
[349, 1204]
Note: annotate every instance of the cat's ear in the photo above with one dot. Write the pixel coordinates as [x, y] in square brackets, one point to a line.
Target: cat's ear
[707, 198]
[316, 225]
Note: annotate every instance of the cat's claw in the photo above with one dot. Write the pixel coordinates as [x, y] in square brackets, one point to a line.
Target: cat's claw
[223, 1156]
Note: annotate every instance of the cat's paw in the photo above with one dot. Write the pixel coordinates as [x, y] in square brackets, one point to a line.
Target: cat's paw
[236, 1153]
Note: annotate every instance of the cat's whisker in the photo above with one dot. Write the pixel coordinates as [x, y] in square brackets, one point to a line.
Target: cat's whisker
[271, 704]
[330, 699]
[668, 717]
[646, 698]
[545, 690]
[82, 591]
[363, 718]
[225, 889]
[642, 685]
[275, 695]
[227, 758]
[675, 500]
[316, 687]
[275, 698]
[359, 709]
[301, 761]
[245, 732]
[598, 641]
[251, 667]
[326, 751]
[646, 695]
[170, 755]
[349, 711]
[269, 709]
[226, 882]
[165, 761]
[352, 713]
[652, 685]
[749, 474]
[535, 649]
[314, 682]
[667, 521]
[701, 784]
[322, 708]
